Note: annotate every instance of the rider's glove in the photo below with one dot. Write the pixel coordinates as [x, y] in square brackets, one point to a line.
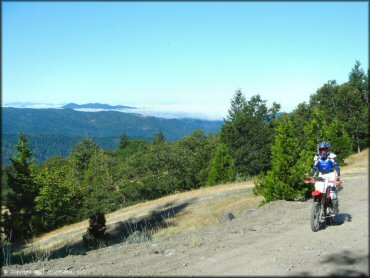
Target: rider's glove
[338, 178]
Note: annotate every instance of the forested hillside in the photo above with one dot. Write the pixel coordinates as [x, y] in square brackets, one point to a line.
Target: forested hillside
[47, 146]
[53, 132]
[253, 142]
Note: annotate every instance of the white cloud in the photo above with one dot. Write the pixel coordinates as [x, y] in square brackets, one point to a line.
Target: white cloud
[200, 111]
[206, 111]
[31, 105]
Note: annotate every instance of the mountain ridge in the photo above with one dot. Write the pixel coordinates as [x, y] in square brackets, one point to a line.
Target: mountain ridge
[53, 132]
[95, 106]
[70, 122]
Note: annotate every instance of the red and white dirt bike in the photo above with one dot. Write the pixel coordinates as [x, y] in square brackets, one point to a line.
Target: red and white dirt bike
[322, 211]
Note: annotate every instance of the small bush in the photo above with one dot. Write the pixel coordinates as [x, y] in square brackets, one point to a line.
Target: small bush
[95, 235]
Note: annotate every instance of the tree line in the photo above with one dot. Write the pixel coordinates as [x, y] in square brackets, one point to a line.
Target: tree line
[256, 141]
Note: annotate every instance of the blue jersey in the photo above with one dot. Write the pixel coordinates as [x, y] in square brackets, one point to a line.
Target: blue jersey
[327, 165]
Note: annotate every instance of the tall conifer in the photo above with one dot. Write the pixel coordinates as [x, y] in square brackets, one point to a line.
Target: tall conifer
[21, 202]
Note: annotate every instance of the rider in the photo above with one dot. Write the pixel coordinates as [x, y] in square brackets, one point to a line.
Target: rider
[326, 163]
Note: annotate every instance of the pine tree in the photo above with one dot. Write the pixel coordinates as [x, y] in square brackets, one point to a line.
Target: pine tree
[357, 80]
[81, 155]
[124, 141]
[95, 235]
[238, 104]
[222, 166]
[284, 180]
[248, 133]
[358, 93]
[349, 102]
[158, 138]
[21, 202]
[293, 151]
[354, 113]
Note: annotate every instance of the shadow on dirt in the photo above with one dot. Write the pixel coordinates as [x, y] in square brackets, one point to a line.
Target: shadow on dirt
[344, 258]
[339, 220]
[345, 262]
[119, 232]
[342, 217]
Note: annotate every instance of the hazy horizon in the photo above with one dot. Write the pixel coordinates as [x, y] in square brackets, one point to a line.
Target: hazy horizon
[162, 111]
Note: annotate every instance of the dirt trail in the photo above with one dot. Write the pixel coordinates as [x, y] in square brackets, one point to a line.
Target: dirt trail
[275, 239]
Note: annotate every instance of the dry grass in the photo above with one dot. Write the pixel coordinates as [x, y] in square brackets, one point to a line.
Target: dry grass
[73, 228]
[356, 162]
[150, 205]
[208, 213]
[192, 217]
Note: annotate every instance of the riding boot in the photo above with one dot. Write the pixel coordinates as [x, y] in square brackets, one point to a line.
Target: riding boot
[335, 203]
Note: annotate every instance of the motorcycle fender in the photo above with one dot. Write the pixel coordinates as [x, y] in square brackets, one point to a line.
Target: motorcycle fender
[316, 194]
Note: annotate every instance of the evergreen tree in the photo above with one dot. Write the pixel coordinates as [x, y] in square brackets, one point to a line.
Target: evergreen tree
[327, 99]
[249, 134]
[95, 234]
[349, 102]
[158, 138]
[284, 180]
[238, 104]
[81, 155]
[6, 190]
[222, 166]
[357, 80]
[21, 201]
[300, 117]
[314, 130]
[354, 113]
[124, 141]
[292, 155]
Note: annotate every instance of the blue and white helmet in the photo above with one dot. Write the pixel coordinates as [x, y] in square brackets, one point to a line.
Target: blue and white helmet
[324, 149]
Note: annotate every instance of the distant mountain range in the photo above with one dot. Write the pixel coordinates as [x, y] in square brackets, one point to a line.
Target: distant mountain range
[66, 106]
[60, 129]
[95, 106]
[168, 111]
[19, 104]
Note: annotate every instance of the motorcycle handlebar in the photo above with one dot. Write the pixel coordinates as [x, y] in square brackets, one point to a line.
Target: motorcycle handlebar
[312, 181]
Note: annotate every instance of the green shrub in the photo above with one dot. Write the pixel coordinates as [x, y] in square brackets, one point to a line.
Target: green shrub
[95, 234]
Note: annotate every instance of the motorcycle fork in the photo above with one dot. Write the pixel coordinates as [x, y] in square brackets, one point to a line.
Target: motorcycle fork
[327, 195]
[323, 206]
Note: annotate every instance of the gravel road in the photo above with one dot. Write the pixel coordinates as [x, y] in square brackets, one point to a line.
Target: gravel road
[275, 239]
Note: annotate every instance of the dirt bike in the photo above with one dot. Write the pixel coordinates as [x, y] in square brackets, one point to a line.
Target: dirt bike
[322, 211]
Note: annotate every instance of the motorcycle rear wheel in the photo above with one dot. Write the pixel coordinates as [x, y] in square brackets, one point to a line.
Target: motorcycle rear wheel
[315, 216]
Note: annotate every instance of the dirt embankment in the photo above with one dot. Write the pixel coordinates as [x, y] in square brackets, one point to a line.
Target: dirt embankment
[275, 239]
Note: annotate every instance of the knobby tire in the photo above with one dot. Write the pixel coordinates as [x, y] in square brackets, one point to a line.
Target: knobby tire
[315, 216]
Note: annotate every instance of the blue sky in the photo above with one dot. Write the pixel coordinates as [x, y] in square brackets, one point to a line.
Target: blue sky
[185, 56]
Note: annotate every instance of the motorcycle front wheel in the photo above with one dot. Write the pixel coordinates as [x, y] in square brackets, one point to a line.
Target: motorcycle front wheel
[315, 216]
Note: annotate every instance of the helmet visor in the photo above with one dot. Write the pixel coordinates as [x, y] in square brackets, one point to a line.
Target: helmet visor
[324, 150]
